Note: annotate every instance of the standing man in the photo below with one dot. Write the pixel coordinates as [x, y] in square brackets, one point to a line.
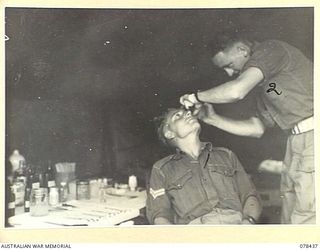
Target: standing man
[284, 77]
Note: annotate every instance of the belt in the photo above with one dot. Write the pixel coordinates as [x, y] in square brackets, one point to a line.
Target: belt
[303, 126]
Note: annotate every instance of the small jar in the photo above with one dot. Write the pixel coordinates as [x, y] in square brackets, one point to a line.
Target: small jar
[83, 190]
[39, 205]
[132, 182]
[54, 196]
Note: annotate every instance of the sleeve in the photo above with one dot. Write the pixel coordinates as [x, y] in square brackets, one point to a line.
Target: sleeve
[263, 114]
[245, 185]
[270, 57]
[158, 203]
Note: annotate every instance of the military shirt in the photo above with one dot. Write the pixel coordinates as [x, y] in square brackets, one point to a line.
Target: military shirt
[182, 188]
[286, 93]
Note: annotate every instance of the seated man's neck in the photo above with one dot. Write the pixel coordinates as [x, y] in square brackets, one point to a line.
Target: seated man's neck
[190, 145]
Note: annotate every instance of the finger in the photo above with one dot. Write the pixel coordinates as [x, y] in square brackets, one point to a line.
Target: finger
[197, 108]
[182, 99]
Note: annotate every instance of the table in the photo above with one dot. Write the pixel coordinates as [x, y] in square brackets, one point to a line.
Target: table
[93, 213]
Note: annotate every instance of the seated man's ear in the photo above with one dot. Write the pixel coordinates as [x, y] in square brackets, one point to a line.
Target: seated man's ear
[169, 134]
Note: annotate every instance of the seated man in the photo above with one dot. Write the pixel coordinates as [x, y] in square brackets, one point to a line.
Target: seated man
[198, 184]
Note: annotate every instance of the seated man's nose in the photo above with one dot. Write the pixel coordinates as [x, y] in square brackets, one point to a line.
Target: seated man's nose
[229, 72]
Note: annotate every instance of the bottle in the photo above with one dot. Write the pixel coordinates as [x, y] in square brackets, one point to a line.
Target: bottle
[11, 202]
[43, 182]
[27, 194]
[20, 173]
[50, 175]
[35, 181]
[19, 192]
[63, 192]
[53, 196]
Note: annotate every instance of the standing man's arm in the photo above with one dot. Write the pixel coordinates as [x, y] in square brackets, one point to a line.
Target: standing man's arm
[228, 92]
[252, 127]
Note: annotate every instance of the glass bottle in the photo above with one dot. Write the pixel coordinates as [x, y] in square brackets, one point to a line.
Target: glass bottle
[53, 196]
[11, 202]
[63, 192]
[43, 182]
[50, 175]
[27, 194]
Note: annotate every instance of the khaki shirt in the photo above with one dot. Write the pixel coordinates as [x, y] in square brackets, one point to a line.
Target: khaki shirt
[182, 189]
[292, 73]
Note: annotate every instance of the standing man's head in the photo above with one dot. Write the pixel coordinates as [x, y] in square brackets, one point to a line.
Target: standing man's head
[176, 125]
[230, 53]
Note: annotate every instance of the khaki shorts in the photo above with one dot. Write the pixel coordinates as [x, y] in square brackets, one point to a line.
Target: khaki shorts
[297, 181]
[219, 216]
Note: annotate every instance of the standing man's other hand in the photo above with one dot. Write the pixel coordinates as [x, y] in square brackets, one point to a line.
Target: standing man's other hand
[206, 112]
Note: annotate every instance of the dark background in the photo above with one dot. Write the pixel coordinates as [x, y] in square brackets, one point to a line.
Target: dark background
[83, 85]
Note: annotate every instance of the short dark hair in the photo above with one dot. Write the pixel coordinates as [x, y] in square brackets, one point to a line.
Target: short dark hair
[160, 123]
[224, 40]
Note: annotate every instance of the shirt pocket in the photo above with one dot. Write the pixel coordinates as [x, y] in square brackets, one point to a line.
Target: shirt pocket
[182, 193]
[223, 178]
[179, 182]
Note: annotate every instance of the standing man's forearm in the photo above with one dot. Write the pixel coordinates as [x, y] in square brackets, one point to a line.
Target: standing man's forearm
[252, 127]
[234, 90]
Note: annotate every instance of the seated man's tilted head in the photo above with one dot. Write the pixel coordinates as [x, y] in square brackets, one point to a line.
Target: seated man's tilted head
[176, 125]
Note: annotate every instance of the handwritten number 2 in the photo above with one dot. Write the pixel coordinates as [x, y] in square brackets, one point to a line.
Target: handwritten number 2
[272, 86]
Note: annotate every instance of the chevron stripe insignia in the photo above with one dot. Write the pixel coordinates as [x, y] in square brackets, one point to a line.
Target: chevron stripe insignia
[157, 193]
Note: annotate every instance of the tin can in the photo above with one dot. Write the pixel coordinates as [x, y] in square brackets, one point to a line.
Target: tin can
[83, 190]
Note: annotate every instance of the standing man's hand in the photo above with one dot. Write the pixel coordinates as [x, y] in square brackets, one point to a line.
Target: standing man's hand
[206, 112]
[188, 100]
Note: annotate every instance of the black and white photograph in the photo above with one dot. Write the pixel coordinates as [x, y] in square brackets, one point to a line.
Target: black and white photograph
[140, 117]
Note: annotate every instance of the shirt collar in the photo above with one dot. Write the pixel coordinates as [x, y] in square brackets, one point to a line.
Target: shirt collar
[180, 154]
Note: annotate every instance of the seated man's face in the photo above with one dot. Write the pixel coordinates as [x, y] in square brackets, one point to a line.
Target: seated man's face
[182, 123]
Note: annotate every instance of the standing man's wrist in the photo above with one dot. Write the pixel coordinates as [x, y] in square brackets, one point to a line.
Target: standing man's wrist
[196, 94]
